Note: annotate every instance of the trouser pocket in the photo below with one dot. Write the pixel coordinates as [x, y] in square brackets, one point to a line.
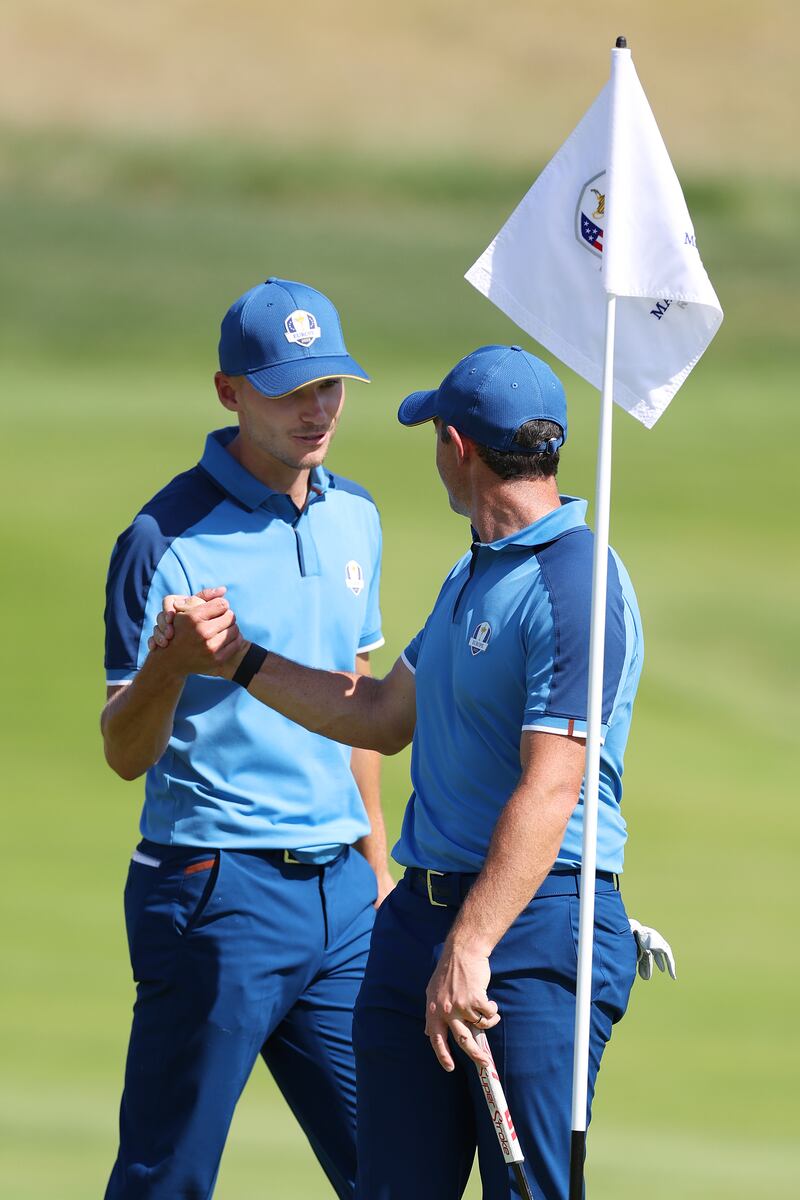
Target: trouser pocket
[198, 881]
[166, 893]
[614, 952]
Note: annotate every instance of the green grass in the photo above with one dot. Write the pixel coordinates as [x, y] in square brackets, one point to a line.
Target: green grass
[119, 264]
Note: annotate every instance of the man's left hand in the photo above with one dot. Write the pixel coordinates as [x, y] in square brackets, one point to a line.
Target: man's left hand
[386, 884]
[456, 999]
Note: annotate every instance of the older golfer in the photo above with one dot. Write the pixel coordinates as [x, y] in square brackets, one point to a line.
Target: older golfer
[482, 929]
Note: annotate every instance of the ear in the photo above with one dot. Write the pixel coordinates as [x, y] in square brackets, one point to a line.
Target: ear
[226, 391]
[464, 445]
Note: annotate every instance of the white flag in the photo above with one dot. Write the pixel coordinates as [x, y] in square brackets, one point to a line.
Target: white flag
[607, 216]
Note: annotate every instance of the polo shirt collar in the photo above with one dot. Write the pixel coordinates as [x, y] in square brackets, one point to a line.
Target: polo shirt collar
[553, 525]
[232, 477]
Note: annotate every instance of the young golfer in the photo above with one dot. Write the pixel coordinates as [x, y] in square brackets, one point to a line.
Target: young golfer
[248, 907]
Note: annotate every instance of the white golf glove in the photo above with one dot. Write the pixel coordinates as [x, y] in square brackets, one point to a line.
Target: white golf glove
[650, 946]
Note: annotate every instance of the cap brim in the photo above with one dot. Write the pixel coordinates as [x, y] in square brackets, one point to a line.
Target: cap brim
[283, 378]
[418, 408]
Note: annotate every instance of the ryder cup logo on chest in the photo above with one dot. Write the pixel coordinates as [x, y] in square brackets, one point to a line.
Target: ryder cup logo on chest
[480, 638]
[354, 577]
[590, 215]
[301, 327]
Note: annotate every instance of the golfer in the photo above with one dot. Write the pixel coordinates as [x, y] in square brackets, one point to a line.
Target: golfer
[482, 929]
[248, 905]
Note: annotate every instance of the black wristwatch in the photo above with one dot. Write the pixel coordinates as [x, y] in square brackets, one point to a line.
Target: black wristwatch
[250, 665]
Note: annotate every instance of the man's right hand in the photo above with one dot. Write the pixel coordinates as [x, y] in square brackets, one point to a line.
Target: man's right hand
[199, 631]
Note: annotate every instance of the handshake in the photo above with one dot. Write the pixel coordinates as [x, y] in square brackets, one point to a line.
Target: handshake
[200, 634]
[201, 637]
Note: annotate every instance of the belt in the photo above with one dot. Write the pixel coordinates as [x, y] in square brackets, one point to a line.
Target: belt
[289, 859]
[447, 889]
[279, 857]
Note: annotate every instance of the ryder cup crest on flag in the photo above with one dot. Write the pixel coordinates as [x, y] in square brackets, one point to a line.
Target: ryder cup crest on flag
[607, 217]
[592, 208]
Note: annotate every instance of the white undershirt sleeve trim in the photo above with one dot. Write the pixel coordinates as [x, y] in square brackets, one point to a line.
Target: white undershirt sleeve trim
[406, 663]
[562, 730]
[371, 646]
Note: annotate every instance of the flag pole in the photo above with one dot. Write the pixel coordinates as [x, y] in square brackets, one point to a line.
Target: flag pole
[597, 638]
[594, 720]
[594, 715]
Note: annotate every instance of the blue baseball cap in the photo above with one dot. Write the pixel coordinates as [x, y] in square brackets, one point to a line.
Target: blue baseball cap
[283, 335]
[489, 395]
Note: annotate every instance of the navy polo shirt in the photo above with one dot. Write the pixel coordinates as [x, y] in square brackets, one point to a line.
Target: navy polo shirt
[305, 584]
[506, 649]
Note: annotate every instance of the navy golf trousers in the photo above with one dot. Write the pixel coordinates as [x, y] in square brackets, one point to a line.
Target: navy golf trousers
[236, 954]
[419, 1126]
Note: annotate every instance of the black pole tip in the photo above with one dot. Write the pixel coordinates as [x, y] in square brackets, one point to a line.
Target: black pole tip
[577, 1157]
[622, 43]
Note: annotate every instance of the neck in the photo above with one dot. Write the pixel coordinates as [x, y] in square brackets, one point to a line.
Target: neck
[501, 509]
[270, 471]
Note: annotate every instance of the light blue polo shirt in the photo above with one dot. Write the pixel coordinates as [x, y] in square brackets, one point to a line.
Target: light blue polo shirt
[305, 584]
[506, 648]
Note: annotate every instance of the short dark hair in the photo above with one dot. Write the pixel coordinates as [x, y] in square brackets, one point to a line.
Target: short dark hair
[509, 465]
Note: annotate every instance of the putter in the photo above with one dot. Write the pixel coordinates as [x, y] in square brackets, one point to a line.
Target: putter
[500, 1115]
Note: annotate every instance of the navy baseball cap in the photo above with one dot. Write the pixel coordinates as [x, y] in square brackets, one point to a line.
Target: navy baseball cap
[283, 335]
[489, 395]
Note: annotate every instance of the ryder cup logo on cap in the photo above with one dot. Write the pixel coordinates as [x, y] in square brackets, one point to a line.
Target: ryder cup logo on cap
[480, 638]
[282, 335]
[590, 214]
[302, 327]
[490, 395]
[354, 577]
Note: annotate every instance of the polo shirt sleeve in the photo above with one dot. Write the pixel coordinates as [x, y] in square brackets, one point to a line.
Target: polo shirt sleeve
[411, 652]
[144, 569]
[371, 632]
[557, 648]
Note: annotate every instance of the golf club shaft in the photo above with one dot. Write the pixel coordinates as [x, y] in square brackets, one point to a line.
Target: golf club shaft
[522, 1183]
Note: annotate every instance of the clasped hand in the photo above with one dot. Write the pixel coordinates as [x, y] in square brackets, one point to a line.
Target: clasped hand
[200, 632]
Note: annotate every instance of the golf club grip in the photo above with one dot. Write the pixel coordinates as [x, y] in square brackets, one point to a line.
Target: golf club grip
[496, 1103]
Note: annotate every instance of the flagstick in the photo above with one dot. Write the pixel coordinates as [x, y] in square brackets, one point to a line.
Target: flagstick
[583, 1000]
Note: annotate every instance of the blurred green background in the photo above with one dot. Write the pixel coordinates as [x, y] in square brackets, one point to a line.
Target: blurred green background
[155, 163]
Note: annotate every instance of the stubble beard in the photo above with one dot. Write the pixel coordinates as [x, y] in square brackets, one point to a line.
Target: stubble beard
[300, 461]
[458, 506]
